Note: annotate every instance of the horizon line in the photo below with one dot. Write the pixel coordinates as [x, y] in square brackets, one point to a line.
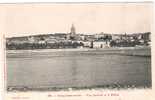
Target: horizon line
[86, 33]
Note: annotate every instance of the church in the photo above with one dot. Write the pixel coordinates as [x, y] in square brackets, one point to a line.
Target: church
[72, 35]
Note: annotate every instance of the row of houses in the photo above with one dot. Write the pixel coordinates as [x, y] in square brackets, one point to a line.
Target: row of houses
[63, 40]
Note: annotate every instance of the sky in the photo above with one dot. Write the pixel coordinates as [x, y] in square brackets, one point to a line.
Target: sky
[26, 19]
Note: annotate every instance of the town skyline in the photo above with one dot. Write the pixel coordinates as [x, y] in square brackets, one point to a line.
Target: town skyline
[82, 33]
[68, 32]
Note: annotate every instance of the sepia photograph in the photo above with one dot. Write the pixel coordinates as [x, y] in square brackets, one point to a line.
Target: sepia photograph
[78, 46]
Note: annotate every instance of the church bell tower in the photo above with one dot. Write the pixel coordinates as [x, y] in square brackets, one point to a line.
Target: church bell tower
[73, 30]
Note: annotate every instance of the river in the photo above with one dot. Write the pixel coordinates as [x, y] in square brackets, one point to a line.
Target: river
[71, 69]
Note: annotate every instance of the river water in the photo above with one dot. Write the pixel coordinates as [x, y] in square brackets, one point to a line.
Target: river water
[71, 69]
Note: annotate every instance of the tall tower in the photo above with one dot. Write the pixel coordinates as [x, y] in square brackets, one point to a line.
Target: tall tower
[72, 34]
[72, 30]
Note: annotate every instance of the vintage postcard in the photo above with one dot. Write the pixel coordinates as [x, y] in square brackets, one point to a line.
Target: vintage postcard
[77, 51]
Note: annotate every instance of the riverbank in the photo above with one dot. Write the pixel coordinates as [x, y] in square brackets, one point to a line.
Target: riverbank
[130, 51]
[97, 87]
